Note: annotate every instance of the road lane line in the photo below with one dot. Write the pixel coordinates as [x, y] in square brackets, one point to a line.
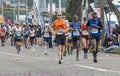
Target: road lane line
[98, 69]
[11, 54]
[88, 67]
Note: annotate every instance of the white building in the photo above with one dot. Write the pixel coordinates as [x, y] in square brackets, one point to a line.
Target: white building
[13, 3]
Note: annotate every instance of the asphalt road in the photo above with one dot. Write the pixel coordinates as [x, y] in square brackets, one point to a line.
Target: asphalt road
[30, 63]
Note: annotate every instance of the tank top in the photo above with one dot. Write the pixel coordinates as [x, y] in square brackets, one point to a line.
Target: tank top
[84, 30]
[59, 26]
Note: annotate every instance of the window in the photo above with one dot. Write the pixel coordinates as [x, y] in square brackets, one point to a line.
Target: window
[21, 2]
[12, 2]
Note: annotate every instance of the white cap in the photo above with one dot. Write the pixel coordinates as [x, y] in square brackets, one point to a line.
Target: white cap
[46, 24]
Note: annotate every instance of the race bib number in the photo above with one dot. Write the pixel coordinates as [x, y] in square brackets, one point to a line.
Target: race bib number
[32, 35]
[18, 33]
[60, 32]
[46, 35]
[85, 32]
[94, 30]
[69, 36]
[76, 33]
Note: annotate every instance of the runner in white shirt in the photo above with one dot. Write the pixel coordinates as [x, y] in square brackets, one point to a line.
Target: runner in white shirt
[18, 36]
[46, 35]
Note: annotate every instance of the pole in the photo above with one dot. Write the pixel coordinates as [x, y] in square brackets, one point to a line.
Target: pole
[17, 10]
[102, 18]
[26, 11]
[60, 5]
[2, 11]
[14, 16]
[50, 1]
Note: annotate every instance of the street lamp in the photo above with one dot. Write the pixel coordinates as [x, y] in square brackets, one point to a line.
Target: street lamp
[59, 5]
[26, 11]
[2, 11]
[17, 10]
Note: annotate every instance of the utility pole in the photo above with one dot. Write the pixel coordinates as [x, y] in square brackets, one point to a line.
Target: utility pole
[17, 10]
[59, 5]
[50, 1]
[26, 11]
[2, 11]
[102, 17]
[14, 18]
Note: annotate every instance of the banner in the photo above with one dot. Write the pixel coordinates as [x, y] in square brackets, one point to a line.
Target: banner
[1, 19]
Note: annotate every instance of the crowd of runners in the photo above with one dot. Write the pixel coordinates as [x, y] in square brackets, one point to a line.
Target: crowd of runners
[68, 35]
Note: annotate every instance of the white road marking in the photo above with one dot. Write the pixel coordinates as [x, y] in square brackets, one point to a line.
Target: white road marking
[11, 54]
[88, 67]
[98, 69]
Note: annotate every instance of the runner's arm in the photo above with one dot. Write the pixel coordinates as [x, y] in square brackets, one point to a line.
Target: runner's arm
[67, 24]
[52, 28]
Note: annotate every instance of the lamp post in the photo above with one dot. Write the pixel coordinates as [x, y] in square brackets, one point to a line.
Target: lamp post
[17, 10]
[50, 1]
[2, 11]
[26, 11]
[59, 5]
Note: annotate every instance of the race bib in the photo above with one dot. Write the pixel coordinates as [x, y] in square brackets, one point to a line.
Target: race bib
[94, 30]
[60, 32]
[32, 35]
[46, 35]
[69, 36]
[76, 33]
[18, 33]
[85, 32]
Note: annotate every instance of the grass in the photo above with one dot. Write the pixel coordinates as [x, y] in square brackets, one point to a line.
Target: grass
[116, 51]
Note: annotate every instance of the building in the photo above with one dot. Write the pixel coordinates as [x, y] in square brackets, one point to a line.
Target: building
[44, 5]
[13, 3]
[0, 3]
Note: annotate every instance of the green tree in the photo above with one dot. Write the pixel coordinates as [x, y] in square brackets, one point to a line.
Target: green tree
[30, 3]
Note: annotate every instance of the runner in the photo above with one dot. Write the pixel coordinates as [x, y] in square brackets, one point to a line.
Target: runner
[38, 35]
[61, 27]
[11, 35]
[76, 25]
[32, 37]
[2, 35]
[85, 37]
[26, 35]
[18, 36]
[69, 42]
[46, 35]
[95, 27]
[66, 43]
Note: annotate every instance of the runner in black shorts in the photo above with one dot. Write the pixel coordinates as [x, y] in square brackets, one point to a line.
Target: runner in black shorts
[95, 27]
[85, 37]
[76, 25]
[61, 27]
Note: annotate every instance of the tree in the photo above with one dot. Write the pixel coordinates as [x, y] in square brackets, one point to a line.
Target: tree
[30, 3]
[74, 7]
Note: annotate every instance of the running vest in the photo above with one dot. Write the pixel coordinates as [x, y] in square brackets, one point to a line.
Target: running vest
[76, 29]
[69, 35]
[59, 26]
[18, 34]
[46, 32]
[2, 32]
[32, 33]
[84, 30]
[26, 32]
[94, 31]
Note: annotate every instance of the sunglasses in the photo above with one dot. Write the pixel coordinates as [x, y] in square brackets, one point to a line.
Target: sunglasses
[59, 15]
